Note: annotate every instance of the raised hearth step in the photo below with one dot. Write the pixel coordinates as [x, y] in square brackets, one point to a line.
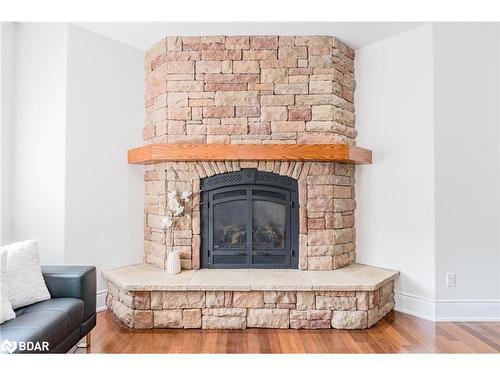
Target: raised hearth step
[145, 277]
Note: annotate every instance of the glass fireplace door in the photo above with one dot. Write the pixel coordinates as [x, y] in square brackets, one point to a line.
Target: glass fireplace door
[229, 218]
[249, 219]
[270, 228]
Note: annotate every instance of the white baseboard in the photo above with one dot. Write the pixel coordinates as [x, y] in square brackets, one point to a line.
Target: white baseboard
[467, 311]
[448, 310]
[415, 305]
[101, 300]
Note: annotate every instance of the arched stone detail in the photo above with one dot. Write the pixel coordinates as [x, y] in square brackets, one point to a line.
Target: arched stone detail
[199, 170]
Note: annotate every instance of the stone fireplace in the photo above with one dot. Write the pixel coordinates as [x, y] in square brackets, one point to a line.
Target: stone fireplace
[253, 90]
[258, 134]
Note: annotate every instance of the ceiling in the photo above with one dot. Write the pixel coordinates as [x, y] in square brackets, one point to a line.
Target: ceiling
[143, 34]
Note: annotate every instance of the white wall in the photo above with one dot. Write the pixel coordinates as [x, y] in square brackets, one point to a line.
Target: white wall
[395, 195]
[104, 195]
[498, 158]
[466, 159]
[427, 104]
[38, 138]
[6, 103]
[77, 107]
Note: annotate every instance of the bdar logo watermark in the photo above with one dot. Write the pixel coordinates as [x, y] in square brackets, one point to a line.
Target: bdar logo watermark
[8, 346]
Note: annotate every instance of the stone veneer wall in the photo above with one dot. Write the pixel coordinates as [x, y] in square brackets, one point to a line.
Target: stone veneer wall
[260, 309]
[257, 89]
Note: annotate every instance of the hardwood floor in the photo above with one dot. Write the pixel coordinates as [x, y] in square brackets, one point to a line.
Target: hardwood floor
[396, 333]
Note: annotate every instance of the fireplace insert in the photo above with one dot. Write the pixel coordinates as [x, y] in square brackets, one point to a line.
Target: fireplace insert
[249, 219]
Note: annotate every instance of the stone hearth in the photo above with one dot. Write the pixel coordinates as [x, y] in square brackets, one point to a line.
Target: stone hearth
[354, 297]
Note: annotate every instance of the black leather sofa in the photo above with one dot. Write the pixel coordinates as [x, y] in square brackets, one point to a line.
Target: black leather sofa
[61, 321]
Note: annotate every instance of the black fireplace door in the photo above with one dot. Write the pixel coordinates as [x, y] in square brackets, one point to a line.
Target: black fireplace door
[249, 220]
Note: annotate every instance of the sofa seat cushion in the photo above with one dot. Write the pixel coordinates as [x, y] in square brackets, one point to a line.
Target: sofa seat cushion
[52, 321]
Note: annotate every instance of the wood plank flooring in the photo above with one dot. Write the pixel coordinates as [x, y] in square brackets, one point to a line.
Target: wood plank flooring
[396, 333]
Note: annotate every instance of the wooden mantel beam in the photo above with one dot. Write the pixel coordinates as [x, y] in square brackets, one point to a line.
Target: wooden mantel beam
[157, 153]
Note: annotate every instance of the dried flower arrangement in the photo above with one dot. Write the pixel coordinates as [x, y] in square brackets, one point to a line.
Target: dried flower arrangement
[180, 205]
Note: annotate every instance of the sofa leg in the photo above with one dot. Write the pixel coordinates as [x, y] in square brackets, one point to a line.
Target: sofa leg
[85, 344]
[88, 340]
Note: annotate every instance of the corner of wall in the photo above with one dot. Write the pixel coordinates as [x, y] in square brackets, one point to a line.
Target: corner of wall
[395, 214]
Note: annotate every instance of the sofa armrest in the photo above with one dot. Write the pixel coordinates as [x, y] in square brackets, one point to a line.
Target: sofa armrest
[73, 281]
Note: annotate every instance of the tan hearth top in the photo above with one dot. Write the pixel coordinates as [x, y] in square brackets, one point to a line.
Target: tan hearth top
[145, 277]
[157, 153]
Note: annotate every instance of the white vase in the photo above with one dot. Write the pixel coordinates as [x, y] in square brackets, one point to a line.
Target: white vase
[173, 262]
